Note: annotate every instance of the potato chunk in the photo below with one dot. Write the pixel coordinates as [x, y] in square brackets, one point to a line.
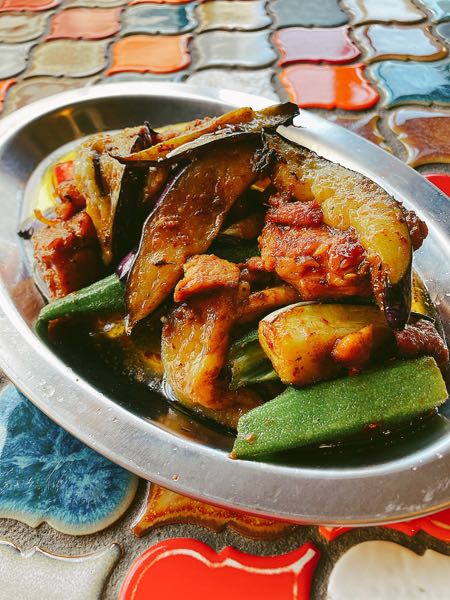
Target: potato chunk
[299, 340]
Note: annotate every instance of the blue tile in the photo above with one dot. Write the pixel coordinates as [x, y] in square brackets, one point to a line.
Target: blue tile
[163, 19]
[307, 13]
[444, 31]
[413, 82]
[48, 475]
[439, 9]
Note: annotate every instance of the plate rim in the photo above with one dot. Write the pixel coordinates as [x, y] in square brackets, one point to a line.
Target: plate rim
[298, 494]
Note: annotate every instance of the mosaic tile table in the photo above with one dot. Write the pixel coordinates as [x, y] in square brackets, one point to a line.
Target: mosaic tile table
[75, 526]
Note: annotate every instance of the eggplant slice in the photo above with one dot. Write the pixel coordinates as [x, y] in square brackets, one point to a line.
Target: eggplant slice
[186, 219]
[350, 200]
[112, 190]
[229, 127]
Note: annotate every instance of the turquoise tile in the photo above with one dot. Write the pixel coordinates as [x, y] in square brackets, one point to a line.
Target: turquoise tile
[413, 82]
[444, 31]
[48, 475]
[439, 9]
[307, 13]
[151, 19]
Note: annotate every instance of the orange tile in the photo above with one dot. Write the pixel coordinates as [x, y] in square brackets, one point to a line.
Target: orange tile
[5, 84]
[85, 23]
[31, 5]
[150, 54]
[327, 86]
[163, 507]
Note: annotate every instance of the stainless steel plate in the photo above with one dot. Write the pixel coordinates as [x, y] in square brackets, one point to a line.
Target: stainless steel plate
[408, 478]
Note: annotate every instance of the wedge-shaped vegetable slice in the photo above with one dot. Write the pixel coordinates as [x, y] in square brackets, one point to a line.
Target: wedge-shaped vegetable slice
[185, 221]
[112, 191]
[333, 410]
[194, 346]
[242, 121]
[299, 339]
[349, 199]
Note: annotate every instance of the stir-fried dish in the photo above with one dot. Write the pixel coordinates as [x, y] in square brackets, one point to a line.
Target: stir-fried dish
[261, 285]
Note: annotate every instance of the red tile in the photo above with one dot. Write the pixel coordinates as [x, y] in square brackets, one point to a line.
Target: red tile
[190, 570]
[302, 44]
[31, 5]
[85, 23]
[150, 54]
[437, 525]
[441, 181]
[5, 84]
[326, 86]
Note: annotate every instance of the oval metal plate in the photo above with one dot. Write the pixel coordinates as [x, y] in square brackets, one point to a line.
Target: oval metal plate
[403, 483]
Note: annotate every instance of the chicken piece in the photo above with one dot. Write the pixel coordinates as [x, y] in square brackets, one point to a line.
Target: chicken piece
[68, 255]
[195, 342]
[421, 339]
[204, 273]
[350, 200]
[319, 262]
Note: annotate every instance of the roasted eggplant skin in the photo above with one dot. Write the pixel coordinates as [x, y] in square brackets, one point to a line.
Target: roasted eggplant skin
[233, 127]
[112, 191]
[185, 221]
[349, 199]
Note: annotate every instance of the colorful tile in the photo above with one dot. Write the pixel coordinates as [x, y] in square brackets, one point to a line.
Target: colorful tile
[307, 13]
[383, 570]
[413, 82]
[133, 2]
[37, 573]
[444, 31]
[439, 9]
[22, 28]
[71, 58]
[13, 59]
[158, 19]
[85, 23]
[381, 42]
[383, 11]
[163, 507]
[437, 525]
[365, 126]
[150, 54]
[441, 181]
[326, 86]
[29, 90]
[256, 81]
[30, 5]
[178, 76]
[425, 134]
[234, 49]
[200, 572]
[5, 84]
[46, 475]
[94, 3]
[233, 15]
[300, 44]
